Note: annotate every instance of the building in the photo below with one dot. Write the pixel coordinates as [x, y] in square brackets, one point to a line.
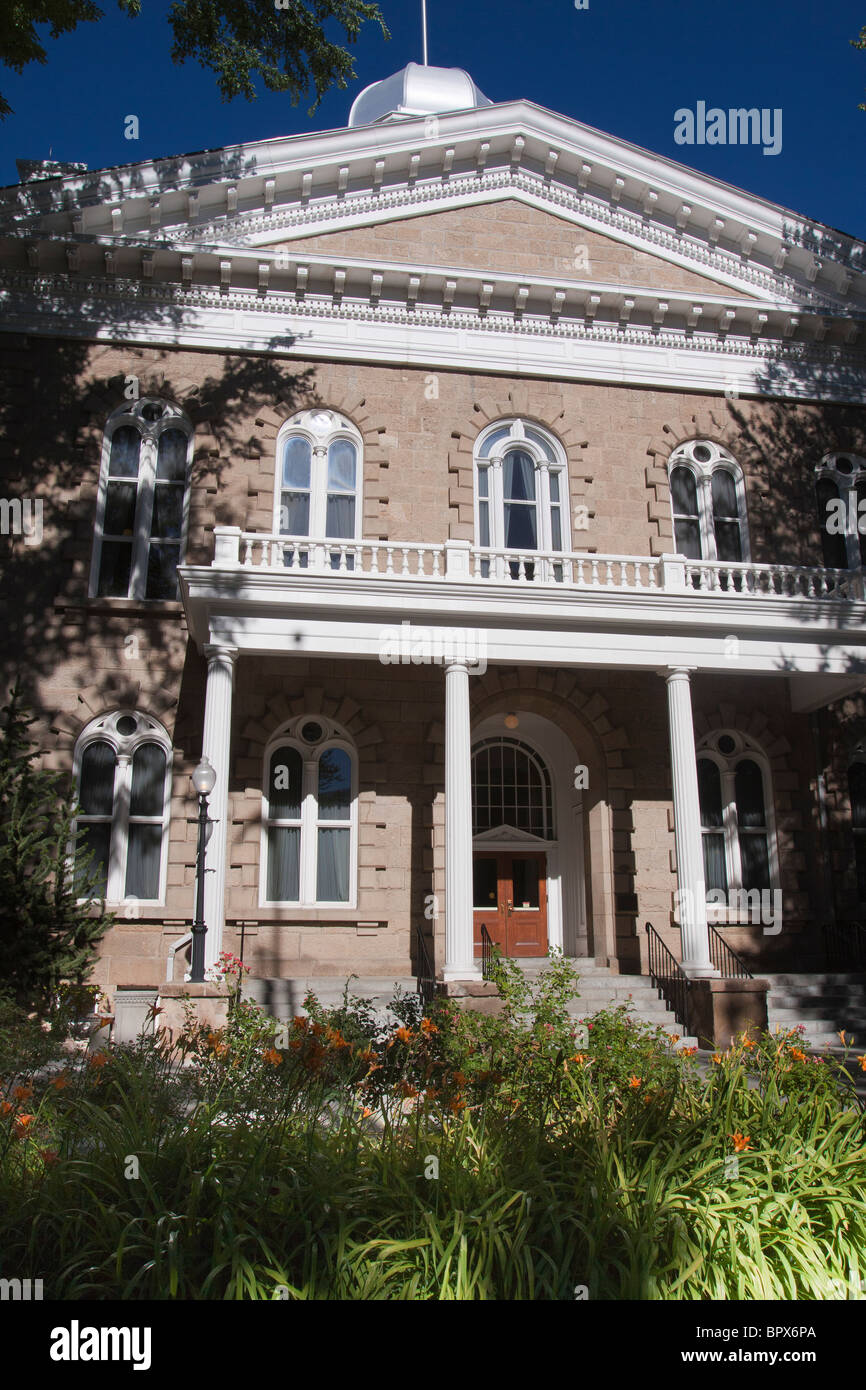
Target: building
[480, 493]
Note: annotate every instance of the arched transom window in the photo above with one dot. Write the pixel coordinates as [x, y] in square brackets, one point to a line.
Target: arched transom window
[737, 825]
[310, 822]
[840, 488]
[318, 483]
[141, 514]
[708, 500]
[521, 496]
[510, 788]
[122, 770]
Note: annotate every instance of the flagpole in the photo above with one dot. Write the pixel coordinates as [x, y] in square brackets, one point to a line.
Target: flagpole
[424, 24]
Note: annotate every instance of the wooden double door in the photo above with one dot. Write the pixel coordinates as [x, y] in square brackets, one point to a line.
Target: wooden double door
[509, 896]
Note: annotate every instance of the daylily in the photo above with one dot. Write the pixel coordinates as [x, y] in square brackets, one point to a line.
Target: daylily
[22, 1124]
[634, 1082]
[98, 1060]
[741, 1141]
[22, 1093]
[273, 1057]
[717, 1058]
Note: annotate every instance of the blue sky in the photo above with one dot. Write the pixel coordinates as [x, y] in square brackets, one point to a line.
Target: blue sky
[624, 66]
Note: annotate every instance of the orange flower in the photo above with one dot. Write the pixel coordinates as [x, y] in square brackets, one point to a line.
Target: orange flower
[22, 1093]
[749, 1042]
[432, 1092]
[61, 1081]
[634, 1082]
[273, 1057]
[317, 1029]
[48, 1156]
[456, 1105]
[22, 1124]
[404, 1034]
[98, 1060]
[300, 1024]
[459, 1078]
[6, 1107]
[428, 1027]
[578, 1057]
[688, 1051]
[741, 1141]
[798, 1054]
[336, 1039]
[843, 1040]
[675, 1037]
[862, 1061]
[717, 1058]
[406, 1088]
[368, 1055]
[366, 1112]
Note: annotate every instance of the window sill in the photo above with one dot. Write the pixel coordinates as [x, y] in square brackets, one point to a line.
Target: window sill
[294, 916]
[166, 606]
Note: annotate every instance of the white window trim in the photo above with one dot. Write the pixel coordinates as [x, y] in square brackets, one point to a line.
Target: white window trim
[321, 428]
[702, 471]
[847, 485]
[857, 832]
[130, 415]
[515, 439]
[104, 730]
[310, 823]
[746, 750]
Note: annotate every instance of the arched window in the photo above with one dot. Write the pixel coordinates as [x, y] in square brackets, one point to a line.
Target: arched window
[510, 787]
[318, 487]
[310, 822]
[122, 771]
[840, 488]
[521, 500]
[708, 501]
[737, 828]
[141, 514]
[857, 797]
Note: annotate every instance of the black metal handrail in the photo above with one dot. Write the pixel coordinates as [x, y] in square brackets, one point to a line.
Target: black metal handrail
[667, 977]
[426, 973]
[845, 945]
[725, 959]
[486, 953]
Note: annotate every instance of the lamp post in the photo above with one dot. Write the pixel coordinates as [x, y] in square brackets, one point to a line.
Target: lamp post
[203, 781]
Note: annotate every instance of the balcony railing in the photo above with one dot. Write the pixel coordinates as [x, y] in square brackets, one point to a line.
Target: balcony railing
[459, 561]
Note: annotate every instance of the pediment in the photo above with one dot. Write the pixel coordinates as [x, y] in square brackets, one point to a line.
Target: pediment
[509, 835]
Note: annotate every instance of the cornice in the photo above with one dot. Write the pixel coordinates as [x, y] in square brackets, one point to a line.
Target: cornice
[304, 184]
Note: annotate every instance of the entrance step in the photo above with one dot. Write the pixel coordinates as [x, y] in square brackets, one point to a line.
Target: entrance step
[824, 1003]
[284, 999]
[599, 988]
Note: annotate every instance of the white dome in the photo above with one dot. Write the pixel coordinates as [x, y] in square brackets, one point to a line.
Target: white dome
[416, 91]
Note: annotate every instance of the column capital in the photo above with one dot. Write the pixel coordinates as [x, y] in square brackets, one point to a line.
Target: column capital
[675, 673]
[459, 663]
[216, 652]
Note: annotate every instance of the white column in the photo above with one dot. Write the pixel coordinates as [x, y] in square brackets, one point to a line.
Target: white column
[216, 747]
[692, 895]
[459, 949]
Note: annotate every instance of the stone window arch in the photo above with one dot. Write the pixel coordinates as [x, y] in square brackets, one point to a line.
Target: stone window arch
[840, 488]
[708, 501]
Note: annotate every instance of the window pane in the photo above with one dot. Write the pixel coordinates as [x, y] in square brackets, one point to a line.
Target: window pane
[525, 882]
[538, 438]
[724, 494]
[167, 512]
[553, 478]
[519, 476]
[162, 571]
[148, 781]
[284, 858]
[492, 439]
[684, 494]
[119, 509]
[284, 785]
[861, 519]
[295, 514]
[555, 528]
[341, 466]
[483, 482]
[335, 784]
[484, 523]
[171, 456]
[710, 794]
[125, 449]
[115, 563]
[509, 788]
[94, 840]
[142, 861]
[688, 539]
[728, 545]
[833, 545]
[857, 794]
[96, 783]
[484, 884]
[749, 792]
[332, 867]
[296, 463]
[755, 860]
[340, 518]
[715, 869]
[520, 528]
